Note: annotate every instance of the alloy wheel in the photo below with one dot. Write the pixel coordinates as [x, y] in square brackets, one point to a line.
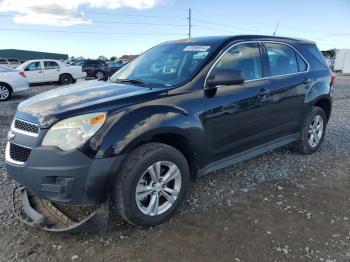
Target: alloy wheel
[4, 93]
[315, 131]
[158, 188]
[100, 75]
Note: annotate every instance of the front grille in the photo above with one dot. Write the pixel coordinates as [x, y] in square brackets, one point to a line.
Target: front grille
[19, 153]
[25, 126]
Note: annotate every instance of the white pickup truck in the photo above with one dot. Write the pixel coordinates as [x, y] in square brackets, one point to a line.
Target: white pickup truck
[45, 70]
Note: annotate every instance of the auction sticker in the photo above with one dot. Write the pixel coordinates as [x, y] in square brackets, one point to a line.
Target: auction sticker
[196, 48]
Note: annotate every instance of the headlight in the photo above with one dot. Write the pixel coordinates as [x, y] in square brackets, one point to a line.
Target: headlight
[72, 132]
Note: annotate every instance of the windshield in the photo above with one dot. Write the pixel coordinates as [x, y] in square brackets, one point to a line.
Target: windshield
[166, 65]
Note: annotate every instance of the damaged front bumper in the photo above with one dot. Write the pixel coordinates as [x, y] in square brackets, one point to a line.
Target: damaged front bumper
[40, 213]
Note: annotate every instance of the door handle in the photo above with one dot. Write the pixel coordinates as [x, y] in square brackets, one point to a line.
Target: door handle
[306, 81]
[58, 70]
[40, 72]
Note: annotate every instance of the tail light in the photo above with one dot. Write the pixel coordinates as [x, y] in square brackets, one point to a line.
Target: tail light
[333, 76]
[22, 74]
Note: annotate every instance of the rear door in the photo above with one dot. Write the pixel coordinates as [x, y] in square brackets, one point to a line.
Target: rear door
[52, 71]
[34, 72]
[289, 83]
[236, 117]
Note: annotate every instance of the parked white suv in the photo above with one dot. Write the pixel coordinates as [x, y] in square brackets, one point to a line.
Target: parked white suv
[45, 70]
[11, 81]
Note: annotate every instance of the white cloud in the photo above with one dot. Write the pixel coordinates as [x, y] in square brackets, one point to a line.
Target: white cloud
[64, 12]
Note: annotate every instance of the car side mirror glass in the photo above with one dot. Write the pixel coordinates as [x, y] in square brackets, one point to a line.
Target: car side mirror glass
[224, 77]
[26, 69]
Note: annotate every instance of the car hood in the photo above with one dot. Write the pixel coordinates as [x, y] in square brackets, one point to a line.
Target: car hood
[88, 96]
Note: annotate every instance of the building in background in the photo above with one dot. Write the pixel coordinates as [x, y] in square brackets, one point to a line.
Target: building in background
[25, 55]
[342, 61]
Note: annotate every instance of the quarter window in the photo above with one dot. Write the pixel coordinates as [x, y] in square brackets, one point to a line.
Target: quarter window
[34, 66]
[301, 63]
[282, 59]
[244, 58]
[51, 65]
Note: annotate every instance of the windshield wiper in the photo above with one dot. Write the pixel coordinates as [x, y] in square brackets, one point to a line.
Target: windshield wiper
[133, 81]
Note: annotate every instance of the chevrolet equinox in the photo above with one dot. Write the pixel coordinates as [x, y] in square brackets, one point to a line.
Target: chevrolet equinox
[179, 111]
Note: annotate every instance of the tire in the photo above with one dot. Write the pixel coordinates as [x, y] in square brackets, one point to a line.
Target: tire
[5, 92]
[309, 135]
[134, 174]
[100, 75]
[66, 79]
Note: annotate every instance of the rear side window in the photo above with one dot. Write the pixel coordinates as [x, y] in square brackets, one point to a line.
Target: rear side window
[3, 61]
[282, 59]
[91, 63]
[244, 58]
[51, 65]
[314, 57]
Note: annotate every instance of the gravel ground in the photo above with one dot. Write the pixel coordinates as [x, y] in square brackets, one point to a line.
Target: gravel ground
[280, 206]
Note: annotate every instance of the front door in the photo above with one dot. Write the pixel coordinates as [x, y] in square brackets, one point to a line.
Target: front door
[35, 73]
[237, 116]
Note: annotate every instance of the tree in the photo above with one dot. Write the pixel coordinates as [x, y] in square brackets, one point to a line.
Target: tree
[103, 58]
[329, 53]
[113, 58]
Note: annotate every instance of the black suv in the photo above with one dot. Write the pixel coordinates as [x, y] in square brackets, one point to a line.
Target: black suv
[94, 68]
[180, 111]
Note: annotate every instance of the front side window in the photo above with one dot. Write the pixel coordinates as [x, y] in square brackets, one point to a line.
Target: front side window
[282, 59]
[78, 63]
[3, 61]
[34, 66]
[245, 58]
[167, 65]
[51, 65]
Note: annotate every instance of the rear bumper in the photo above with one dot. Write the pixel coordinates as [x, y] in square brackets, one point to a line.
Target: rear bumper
[64, 177]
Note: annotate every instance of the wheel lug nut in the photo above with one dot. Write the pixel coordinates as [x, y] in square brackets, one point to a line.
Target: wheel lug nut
[154, 192]
[164, 186]
[154, 184]
[160, 180]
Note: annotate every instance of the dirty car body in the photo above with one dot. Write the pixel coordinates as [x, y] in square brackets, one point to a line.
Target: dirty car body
[213, 126]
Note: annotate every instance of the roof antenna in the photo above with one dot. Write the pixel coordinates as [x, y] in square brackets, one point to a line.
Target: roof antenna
[278, 23]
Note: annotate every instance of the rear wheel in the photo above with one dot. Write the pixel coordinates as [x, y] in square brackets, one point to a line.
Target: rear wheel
[313, 131]
[5, 92]
[66, 79]
[151, 184]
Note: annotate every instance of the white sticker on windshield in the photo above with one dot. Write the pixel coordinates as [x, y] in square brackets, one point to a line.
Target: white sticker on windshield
[196, 48]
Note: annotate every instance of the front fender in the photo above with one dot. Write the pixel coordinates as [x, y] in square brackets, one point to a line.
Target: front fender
[129, 128]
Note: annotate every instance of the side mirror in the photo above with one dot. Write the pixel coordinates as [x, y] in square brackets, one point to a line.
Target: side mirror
[26, 69]
[224, 77]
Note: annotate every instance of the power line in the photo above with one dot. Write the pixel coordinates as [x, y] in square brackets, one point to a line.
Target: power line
[229, 26]
[114, 22]
[84, 32]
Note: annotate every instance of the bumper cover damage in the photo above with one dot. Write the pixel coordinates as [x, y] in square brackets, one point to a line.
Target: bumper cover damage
[49, 216]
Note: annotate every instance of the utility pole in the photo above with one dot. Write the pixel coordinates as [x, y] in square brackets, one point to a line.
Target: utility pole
[189, 22]
[278, 23]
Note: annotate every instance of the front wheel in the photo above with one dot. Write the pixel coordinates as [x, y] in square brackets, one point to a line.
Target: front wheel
[312, 133]
[151, 184]
[100, 75]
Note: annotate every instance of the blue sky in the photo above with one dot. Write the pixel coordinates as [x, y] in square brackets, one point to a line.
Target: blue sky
[117, 27]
